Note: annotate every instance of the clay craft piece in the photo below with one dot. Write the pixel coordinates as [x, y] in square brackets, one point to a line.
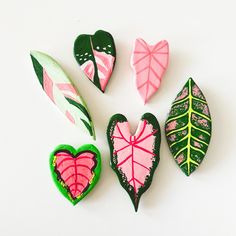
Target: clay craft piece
[134, 158]
[188, 127]
[59, 88]
[149, 63]
[96, 55]
[75, 172]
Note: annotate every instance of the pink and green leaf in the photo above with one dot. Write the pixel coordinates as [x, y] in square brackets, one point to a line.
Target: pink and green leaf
[96, 55]
[59, 88]
[134, 158]
[75, 172]
[188, 127]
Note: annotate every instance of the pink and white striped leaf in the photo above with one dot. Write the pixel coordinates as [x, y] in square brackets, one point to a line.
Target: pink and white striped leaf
[149, 63]
[59, 88]
[134, 158]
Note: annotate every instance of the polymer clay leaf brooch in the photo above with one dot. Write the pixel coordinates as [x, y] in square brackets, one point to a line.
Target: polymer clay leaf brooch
[59, 88]
[96, 55]
[188, 127]
[134, 158]
[75, 172]
[149, 63]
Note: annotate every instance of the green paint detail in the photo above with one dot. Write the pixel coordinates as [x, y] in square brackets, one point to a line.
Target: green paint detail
[190, 139]
[151, 119]
[88, 126]
[81, 107]
[38, 69]
[42, 61]
[97, 170]
[84, 45]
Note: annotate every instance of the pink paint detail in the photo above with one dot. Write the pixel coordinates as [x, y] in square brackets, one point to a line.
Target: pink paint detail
[197, 92]
[48, 85]
[206, 110]
[70, 117]
[201, 121]
[75, 172]
[149, 63]
[171, 126]
[186, 105]
[134, 152]
[172, 137]
[88, 68]
[183, 94]
[197, 144]
[180, 158]
[67, 87]
[201, 137]
[105, 64]
[184, 132]
[68, 91]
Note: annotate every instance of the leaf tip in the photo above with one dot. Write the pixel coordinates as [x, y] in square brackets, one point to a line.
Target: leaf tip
[135, 203]
[73, 203]
[136, 208]
[33, 52]
[191, 79]
[94, 136]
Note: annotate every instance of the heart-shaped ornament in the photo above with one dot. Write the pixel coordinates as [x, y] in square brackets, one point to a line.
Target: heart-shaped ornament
[96, 55]
[149, 63]
[134, 158]
[75, 172]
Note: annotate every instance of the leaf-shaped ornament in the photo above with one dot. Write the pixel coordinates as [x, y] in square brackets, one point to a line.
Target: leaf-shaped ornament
[149, 63]
[96, 55]
[59, 88]
[134, 158]
[75, 172]
[188, 127]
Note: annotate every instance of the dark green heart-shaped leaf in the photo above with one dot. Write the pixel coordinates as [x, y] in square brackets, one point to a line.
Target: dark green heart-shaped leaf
[96, 55]
[188, 127]
[134, 158]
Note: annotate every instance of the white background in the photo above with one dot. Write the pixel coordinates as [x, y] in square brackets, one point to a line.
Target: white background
[202, 38]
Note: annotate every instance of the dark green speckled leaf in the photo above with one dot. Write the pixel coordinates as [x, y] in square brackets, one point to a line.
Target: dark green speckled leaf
[188, 127]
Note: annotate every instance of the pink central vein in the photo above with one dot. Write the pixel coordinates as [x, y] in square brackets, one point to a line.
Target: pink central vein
[150, 60]
[132, 157]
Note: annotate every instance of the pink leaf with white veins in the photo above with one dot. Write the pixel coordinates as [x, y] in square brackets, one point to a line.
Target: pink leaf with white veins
[149, 63]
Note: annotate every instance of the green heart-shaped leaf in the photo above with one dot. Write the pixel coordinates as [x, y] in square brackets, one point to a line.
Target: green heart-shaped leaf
[134, 158]
[96, 55]
[75, 172]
